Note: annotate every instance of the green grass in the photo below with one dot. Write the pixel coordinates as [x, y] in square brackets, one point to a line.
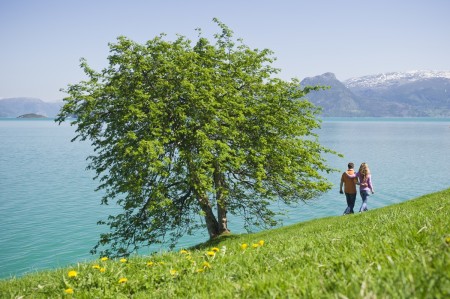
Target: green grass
[399, 251]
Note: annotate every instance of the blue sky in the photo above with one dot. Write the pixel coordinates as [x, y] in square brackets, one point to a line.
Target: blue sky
[42, 41]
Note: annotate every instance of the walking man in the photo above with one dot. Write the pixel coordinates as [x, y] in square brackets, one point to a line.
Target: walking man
[349, 188]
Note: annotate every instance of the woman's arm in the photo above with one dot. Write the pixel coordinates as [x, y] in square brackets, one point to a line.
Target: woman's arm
[369, 184]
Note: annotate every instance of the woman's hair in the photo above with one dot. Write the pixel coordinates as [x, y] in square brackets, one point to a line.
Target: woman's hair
[364, 171]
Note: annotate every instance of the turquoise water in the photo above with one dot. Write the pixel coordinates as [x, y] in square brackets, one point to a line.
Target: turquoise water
[49, 209]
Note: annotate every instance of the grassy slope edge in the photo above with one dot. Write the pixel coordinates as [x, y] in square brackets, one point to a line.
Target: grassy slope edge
[399, 251]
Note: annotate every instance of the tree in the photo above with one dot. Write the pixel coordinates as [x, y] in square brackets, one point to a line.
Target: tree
[184, 131]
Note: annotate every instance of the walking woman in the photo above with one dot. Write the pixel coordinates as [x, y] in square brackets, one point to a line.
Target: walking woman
[365, 185]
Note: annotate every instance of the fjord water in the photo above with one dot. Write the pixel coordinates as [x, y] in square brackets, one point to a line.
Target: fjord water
[49, 209]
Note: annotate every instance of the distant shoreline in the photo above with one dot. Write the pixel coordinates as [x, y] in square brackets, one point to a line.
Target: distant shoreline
[323, 118]
[32, 115]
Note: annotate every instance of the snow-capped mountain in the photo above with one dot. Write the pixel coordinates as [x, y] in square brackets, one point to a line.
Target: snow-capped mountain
[394, 78]
[396, 94]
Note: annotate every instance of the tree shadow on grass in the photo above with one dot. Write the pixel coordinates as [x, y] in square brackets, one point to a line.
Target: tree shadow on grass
[214, 242]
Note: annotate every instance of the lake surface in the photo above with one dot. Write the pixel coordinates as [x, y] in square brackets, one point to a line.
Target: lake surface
[49, 209]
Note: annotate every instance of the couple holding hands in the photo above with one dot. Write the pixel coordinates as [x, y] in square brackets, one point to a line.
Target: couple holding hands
[349, 180]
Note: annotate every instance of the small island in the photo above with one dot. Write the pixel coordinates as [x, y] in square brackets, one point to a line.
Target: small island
[32, 115]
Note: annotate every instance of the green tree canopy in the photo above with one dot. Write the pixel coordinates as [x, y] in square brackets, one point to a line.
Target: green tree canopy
[186, 133]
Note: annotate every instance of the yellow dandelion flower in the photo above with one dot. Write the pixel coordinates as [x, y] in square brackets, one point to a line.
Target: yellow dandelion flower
[104, 259]
[447, 240]
[244, 246]
[215, 249]
[162, 263]
[96, 267]
[261, 242]
[206, 265]
[123, 280]
[72, 273]
[102, 270]
[210, 253]
[255, 245]
[150, 264]
[123, 260]
[200, 270]
[68, 291]
[184, 251]
[173, 272]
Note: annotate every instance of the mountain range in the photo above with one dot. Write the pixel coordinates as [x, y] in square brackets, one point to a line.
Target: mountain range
[15, 107]
[395, 94]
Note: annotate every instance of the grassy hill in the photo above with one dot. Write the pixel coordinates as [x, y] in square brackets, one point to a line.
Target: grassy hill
[399, 251]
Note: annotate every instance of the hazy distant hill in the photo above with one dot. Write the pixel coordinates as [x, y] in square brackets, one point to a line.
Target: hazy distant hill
[14, 107]
[408, 94]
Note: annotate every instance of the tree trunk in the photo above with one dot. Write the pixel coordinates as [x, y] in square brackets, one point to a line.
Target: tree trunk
[222, 218]
[211, 222]
[219, 183]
